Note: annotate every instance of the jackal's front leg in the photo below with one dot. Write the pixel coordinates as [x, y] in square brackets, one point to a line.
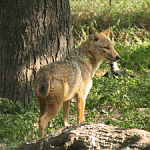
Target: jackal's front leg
[66, 106]
[80, 109]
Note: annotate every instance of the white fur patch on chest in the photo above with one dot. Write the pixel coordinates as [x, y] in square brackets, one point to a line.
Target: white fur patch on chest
[88, 87]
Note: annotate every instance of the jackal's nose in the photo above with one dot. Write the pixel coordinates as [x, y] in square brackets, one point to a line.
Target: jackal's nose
[117, 57]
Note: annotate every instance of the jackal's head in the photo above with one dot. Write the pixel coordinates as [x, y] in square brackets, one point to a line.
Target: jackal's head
[101, 46]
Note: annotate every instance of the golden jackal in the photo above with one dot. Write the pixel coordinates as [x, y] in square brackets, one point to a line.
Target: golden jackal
[60, 81]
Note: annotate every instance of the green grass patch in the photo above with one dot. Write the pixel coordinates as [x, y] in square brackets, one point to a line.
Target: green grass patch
[99, 14]
[122, 93]
[134, 56]
[120, 101]
[132, 119]
[17, 122]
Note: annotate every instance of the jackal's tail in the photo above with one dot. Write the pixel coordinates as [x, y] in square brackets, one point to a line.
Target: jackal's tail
[43, 87]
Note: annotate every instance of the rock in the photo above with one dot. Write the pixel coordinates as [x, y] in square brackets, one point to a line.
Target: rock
[90, 136]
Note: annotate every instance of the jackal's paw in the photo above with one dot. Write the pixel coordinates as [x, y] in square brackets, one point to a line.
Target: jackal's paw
[66, 124]
[42, 132]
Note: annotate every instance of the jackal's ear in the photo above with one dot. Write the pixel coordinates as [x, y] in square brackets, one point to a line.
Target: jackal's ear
[93, 34]
[106, 32]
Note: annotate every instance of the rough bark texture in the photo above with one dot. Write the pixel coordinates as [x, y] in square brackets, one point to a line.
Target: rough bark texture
[32, 33]
[92, 137]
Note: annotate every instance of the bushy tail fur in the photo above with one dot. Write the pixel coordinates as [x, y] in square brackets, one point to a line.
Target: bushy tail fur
[43, 88]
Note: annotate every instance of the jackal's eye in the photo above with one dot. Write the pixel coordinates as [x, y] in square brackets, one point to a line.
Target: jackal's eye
[106, 47]
[103, 51]
[96, 38]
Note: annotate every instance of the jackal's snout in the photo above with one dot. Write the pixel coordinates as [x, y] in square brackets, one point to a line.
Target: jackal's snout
[112, 55]
[118, 57]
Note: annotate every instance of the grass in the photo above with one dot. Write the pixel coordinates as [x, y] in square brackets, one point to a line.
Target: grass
[99, 14]
[123, 102]
[17, 122]
[120, 100]
[134, 56]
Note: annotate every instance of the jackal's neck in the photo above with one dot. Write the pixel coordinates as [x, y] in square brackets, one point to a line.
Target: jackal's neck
[94, 63]
[91, 59]
[86, 45]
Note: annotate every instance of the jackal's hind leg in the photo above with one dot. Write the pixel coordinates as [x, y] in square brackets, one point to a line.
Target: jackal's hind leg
[42, 103]
[50, 112]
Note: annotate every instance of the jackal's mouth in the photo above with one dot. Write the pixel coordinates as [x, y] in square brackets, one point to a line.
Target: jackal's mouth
[113, 59]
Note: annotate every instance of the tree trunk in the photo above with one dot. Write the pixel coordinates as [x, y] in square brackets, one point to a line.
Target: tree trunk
[32, 33]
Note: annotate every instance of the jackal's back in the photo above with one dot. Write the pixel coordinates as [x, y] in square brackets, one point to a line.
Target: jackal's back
[57, 77]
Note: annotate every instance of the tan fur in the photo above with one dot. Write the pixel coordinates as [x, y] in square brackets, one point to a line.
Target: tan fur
[58, 82]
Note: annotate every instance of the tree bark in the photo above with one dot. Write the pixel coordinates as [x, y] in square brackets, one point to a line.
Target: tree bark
[32, 33]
